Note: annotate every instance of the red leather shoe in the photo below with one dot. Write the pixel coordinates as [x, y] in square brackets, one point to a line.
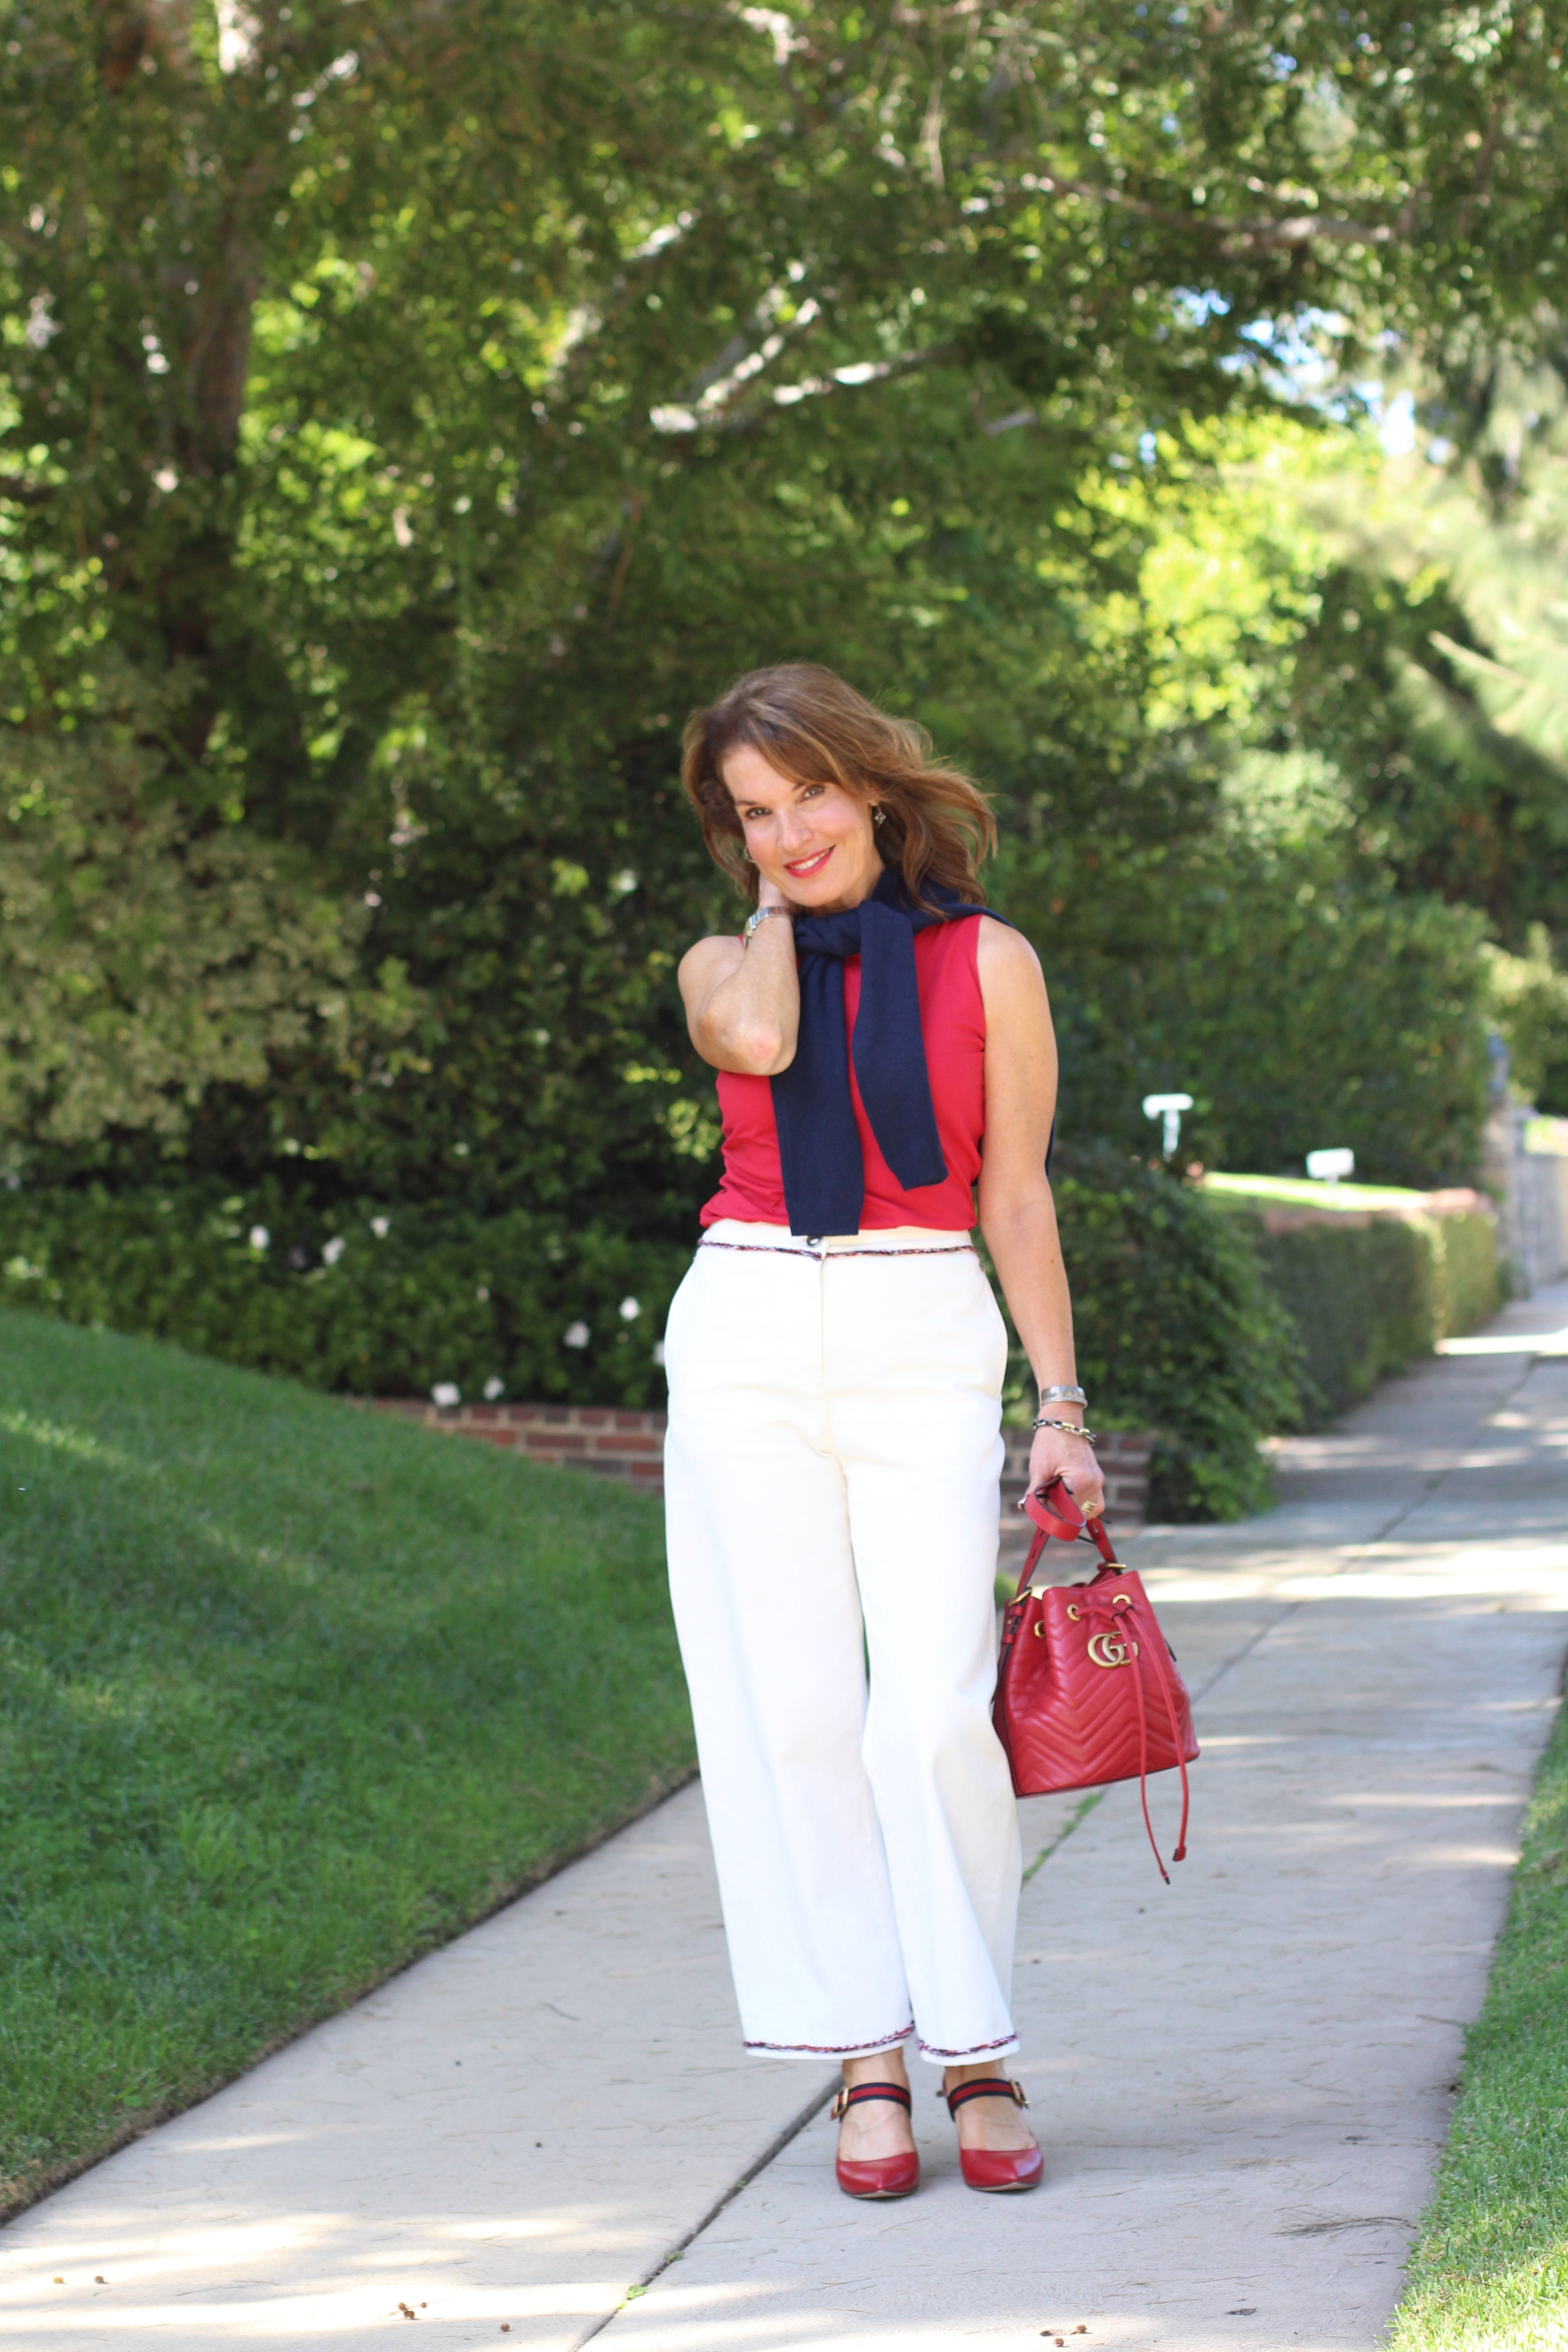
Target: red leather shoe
[883, 2176]
[995, 2168]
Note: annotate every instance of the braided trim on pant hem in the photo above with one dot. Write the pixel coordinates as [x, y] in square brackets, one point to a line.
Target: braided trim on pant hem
[960, 2057]
[835, 2049]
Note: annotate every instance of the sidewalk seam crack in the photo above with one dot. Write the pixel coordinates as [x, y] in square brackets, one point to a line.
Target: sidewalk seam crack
[1080, 1814]
[775, 2146]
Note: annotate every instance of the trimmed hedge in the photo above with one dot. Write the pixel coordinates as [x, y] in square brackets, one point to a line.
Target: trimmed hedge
[1176, 1330]
[1368, 1299]
[376, 1299]
[1363, 1299]
[1471, 1280]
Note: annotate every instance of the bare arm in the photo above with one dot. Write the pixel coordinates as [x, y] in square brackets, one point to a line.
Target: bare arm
[1017, 1214]
[742, 998]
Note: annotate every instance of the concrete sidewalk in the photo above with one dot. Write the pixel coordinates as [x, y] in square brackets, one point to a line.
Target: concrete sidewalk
[1242, 2083]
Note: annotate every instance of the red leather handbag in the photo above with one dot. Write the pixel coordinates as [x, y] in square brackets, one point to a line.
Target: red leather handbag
[1087, 1689]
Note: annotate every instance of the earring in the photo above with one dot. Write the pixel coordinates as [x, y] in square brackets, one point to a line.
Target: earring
[878, 816]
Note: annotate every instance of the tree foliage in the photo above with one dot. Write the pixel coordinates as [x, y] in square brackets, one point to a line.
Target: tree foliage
[1450, 724]
[144, 961]
[432, 399]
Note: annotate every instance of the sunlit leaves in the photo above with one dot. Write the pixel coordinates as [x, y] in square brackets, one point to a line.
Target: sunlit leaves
[450, 397]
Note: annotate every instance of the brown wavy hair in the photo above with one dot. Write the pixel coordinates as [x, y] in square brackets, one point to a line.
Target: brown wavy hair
[810, 726]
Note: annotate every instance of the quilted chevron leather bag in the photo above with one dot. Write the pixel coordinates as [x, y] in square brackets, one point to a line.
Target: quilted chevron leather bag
[1087, 1689]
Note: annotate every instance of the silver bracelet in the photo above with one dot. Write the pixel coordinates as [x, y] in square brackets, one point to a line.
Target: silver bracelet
[1066, 1392]
[754, 922]
[1045, 1421]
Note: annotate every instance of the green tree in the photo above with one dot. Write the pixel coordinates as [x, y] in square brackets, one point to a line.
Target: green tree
[1436, 672]
[1437, 663]
[145, 960]
[433, 401]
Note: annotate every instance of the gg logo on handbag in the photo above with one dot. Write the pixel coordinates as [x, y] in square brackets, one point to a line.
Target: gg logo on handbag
[1066, 1718]
[1107, 1649]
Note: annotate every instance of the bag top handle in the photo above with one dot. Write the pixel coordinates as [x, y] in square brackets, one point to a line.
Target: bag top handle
[1055, 1513]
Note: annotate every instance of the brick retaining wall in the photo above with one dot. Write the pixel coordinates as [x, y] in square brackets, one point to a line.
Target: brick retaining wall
[1123, 1457]
[619, 1443]
[615, 1442]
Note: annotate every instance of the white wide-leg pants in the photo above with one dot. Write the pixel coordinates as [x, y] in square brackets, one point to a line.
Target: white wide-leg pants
[832, 1477]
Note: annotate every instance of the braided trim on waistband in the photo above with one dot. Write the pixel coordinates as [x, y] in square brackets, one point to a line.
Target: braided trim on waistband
[780, 1249]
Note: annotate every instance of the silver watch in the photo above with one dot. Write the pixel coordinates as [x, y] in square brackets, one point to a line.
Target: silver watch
[754, 922]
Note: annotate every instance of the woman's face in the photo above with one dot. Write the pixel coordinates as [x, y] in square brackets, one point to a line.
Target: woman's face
[813, 843]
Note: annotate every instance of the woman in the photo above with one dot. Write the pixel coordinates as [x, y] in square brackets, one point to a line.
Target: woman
[835, 1358]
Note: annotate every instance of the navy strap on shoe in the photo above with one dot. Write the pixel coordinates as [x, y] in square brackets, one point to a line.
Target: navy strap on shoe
[844, 2098]
[985, 2087]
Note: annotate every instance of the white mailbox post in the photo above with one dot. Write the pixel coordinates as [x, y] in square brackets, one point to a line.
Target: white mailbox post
[1328, 1166]
[1168, 1108]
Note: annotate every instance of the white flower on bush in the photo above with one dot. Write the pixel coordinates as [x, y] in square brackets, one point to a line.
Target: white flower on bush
[630, 1309]
[445, 1394]
[659, 1352]
[332, 1250]
[576, 1335]
[260, 1238]
[381, 1227]
[494, 1388]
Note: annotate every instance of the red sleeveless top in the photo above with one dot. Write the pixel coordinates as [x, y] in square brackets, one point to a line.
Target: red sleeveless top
[952, 1022]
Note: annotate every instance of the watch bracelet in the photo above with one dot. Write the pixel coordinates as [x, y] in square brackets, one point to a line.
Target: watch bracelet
[756, 919]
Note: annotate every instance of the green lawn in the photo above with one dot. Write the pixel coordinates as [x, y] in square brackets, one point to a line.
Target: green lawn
[1489, 2272]
[1304, 1193]
[289, 1694]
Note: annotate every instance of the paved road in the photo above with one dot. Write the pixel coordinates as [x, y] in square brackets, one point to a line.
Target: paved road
[1242, 2082]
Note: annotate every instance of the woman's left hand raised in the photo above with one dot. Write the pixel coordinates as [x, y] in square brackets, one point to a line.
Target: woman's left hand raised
[1057, 1455]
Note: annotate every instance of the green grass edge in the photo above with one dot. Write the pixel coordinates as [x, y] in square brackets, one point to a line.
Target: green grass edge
[1488, 2271]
